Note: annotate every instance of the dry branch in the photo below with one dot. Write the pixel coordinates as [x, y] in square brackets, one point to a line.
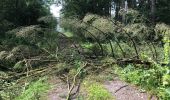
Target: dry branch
[74, 82]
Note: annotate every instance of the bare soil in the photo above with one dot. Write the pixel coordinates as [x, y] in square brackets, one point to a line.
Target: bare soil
[124, 91]
[119, 89]
[59, 90]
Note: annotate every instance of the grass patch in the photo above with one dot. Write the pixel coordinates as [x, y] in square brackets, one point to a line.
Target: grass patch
[35, 90]
[96, 91]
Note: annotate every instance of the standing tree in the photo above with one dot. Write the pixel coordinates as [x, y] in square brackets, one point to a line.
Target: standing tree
[82, 7]
[153, 11]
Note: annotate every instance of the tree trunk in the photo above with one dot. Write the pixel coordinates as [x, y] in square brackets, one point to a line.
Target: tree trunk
[130, 3]
[141, 3]
[117, 10]
[153, 11]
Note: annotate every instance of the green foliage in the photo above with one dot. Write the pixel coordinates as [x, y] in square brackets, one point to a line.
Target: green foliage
[34, 90]
[166, 79]
[68, 34]
[31, 33]
[95, 27]
[48, 21]
[91, 26]
[25, 42]
[24, 25]
[154, 79]
[99, 26]
[19, 65]
[26, 11]
[139, 31]
[131, 77]
[92, 49]
[29, 89]
[164, 31]
[72, 25]
[164, 93]
[48, 42]
[15, 57]
[167, 47]
[32, 29]
[96, 91]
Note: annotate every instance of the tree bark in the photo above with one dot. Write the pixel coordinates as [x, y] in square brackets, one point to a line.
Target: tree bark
[141, 2]
[117, 10]
[153, 8]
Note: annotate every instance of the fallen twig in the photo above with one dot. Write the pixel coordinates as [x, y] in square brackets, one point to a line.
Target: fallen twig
[74, 82]
[121, 88]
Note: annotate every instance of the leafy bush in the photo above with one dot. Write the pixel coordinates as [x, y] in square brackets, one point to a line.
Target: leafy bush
[74, 25]
[16, 55]
[139, 31]
[31, 33]
[133, 16]
[99, 26]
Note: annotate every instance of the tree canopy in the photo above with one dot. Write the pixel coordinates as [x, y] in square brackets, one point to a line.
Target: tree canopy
[152, 9]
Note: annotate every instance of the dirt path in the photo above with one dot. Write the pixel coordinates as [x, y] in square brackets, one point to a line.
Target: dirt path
[123, 91]
[59, 91]
[120, 90]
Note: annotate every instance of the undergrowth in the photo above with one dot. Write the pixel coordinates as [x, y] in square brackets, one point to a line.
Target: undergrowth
[96, 91]
[155, 79]
[34, 90]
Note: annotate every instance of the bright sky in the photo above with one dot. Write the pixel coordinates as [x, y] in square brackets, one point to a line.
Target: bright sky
[55, 10]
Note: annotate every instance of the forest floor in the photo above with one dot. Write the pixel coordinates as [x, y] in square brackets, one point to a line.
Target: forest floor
[124, 91]
[119, 89]
[58, 91]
